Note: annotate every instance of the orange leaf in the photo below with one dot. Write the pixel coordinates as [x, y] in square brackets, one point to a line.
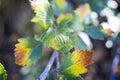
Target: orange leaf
[84, 57]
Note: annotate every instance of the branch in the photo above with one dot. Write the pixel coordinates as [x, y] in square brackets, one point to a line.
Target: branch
[48, 67]
[57, 66]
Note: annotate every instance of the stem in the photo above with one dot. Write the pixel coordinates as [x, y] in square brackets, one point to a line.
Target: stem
[48, 67]
[57, 66]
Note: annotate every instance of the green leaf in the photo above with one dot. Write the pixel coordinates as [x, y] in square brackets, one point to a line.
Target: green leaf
[56, 38]
[77, 25]
[36, 53]
[64, 8]
[79, 44]
[3, 74]
[96, 5]
[70, 23]
[95, 32]
[117, 39]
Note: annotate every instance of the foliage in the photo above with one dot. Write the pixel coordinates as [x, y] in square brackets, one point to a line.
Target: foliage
[60, 27]
[27, 51]
[75, 64]
[3, 74]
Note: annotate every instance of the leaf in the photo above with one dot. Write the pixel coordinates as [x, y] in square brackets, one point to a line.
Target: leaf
[75, 64]
[64, 8]
[3, 74]
[35, 53]
[64, 18]
[43, 26]
[79, 44]
[117, 39]
[43, 13]
[77, 24]
[75, 70]
[96, 5]
[83, 10]
[84, 57]
[69, 23]
[55, 38]
[95, 32]
[59, 2]
[107, 32]
[27, 51]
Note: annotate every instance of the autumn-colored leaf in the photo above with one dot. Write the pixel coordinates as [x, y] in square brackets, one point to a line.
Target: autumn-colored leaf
[107, 31]
[75, 64]
[83, 10]
[24, 49]
[83, 57]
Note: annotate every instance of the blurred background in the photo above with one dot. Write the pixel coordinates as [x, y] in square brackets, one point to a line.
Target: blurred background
[15, 22]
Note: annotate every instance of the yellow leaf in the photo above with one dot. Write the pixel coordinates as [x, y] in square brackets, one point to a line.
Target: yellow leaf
[76, 70]
[54, 44]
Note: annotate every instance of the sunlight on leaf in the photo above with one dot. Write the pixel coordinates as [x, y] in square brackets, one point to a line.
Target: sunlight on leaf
[43, 13]
[3, 74]
[75, 64]
[24, 49]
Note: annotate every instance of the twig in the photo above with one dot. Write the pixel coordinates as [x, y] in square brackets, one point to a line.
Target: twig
[48, 67]
[57, 66]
